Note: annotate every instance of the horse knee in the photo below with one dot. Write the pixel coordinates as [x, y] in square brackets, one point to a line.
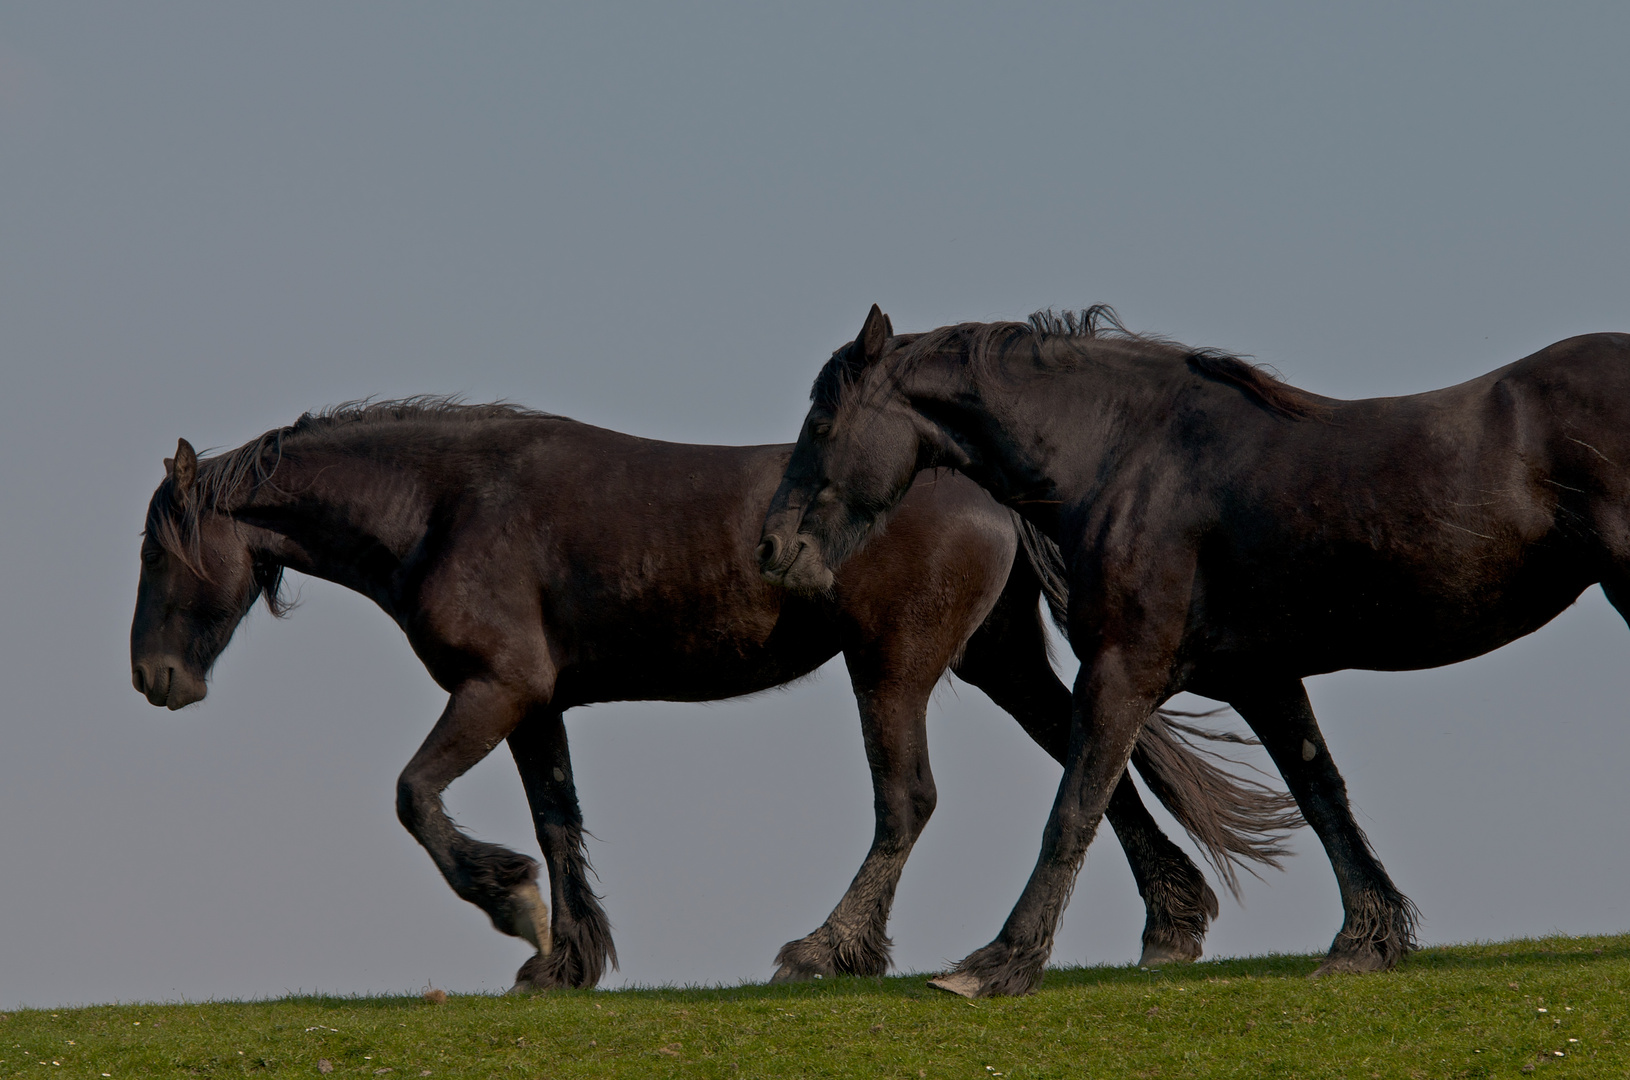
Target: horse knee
[909, 810]
[923, 799]
[414, 800]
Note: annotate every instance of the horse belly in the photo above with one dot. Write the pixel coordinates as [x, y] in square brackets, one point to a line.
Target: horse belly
[694, 659]
[1411, 628]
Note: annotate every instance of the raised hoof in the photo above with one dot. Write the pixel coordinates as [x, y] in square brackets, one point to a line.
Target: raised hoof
[1359, 963]
[958, 982]
[530, 916]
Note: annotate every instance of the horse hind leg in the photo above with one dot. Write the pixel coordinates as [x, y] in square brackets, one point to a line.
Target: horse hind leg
[578, 947]
[501, 882]
[1378, 928]
[1234, 822]
[893, 712]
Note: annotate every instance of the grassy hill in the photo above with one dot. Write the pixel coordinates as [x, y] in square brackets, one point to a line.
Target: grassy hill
[1557, 1006]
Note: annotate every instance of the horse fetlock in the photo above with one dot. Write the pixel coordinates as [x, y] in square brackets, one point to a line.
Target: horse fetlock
[832, 950]
[997, 970]
[579, 958]
[545, 972]
[1178, 893]
[1171, 941]
[1161, 950]
[1378, 932]
[811, 957]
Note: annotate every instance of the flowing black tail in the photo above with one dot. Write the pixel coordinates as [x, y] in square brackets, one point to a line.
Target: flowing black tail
[1235, 821]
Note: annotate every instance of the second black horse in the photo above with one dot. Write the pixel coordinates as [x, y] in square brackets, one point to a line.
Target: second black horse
[1228, 534]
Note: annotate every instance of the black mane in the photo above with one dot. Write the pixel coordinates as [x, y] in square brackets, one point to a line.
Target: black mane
[1053, 337]
[226, 478]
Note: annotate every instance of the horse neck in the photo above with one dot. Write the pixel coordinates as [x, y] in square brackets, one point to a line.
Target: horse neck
[335, 513]
[1031, 433]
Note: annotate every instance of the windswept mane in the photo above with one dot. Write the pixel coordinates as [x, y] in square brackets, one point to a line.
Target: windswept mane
[1054, 339]
[224, 480]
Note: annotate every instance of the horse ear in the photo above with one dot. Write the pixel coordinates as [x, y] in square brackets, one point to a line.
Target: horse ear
[183, 468]
[888, 325]
[874, 332]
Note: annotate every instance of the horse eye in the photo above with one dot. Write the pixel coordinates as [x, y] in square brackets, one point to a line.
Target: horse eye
[152, 558]
[821, 430]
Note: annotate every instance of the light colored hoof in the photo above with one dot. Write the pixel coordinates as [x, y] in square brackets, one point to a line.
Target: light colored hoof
[534, 921]
[957, 982]
[1159, 956]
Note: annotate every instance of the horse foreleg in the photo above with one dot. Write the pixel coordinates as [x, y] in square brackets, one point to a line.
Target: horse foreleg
[1379, 924]
[501, 882]
[893, 717]
[581, 933]
[1111, 705]
[1007, 659]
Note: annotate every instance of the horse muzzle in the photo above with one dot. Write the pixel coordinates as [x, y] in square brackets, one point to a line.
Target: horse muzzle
[165, 682]
[796, 566]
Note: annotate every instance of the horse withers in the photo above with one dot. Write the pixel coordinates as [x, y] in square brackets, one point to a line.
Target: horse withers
[1227, 534]
[537, 564]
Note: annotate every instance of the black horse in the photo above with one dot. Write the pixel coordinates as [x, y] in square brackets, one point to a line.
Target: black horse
[1227, 534]
[536, 563]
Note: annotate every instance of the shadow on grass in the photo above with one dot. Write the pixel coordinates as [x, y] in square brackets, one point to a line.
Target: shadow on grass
[1530, 954]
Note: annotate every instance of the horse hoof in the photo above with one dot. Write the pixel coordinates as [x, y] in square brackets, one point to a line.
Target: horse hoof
[532, 917]
[1159, 954]
[790, 972]
[1352, 964]
[958, 982]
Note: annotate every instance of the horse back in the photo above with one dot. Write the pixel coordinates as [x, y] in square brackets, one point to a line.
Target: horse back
[631, 564]
[1420, 530]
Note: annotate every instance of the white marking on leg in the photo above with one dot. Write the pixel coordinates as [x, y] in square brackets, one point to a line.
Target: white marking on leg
[534, 921]
[560, 776]
[1309, 751]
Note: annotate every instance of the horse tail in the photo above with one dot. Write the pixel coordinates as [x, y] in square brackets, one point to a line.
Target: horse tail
[1235, 821]
[1047, 562]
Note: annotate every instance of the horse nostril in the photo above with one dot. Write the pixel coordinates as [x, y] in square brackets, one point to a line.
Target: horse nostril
[769, 552]
[138, 679]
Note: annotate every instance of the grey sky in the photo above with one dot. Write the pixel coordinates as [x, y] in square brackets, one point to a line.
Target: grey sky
[213, 217]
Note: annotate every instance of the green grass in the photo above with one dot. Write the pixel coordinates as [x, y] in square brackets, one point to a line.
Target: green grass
[1458, 1011]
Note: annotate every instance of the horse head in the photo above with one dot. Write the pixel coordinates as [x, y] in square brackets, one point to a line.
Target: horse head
[199, 579]
[861, 446]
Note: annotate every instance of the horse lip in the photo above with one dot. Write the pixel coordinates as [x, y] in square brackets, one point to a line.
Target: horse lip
[179, 698]
[777, 571]
[166, 687]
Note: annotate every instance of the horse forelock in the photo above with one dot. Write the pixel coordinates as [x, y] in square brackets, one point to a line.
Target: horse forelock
[173, 517]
